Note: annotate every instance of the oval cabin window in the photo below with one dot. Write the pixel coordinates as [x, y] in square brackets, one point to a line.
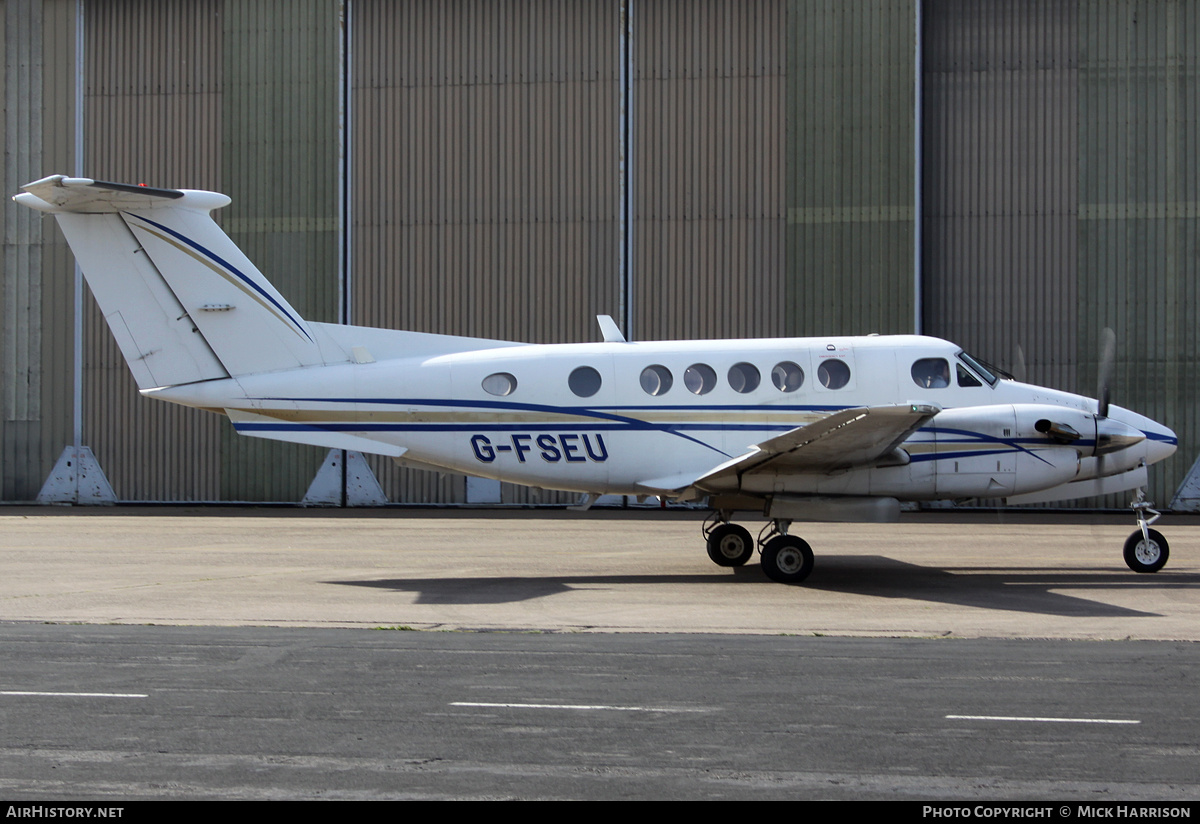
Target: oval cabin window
[787, 376]
[931, 373]
[584, 381]
[656, 380]
[743, 377]
[700, 378]
[500, 383]
[833, 374]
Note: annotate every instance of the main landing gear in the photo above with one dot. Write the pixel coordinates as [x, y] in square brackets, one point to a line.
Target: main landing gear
[728, 544]
[788, 559]
[785, 558]
[1146, 549]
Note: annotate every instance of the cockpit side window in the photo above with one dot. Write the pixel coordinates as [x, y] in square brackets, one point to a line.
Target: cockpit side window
[931, 373]
[977, 368]
[965, 378]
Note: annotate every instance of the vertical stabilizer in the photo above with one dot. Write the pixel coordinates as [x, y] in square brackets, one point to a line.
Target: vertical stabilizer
[181, 299]
[153, 330]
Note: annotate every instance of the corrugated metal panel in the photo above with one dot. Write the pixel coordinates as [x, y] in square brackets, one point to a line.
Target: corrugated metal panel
[1061, 196]
[239, 97]
[21, 448]
[850, 188]
[483, 189]
[1060, 189]
[280, 125]
[152, 115]
[1000, 149]
[153, 86]
[35, 366]
[1139, 211]
[708, 158]
[147, 120]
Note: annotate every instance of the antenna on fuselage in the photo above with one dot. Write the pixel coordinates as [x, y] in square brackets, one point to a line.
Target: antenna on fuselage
[609, 329]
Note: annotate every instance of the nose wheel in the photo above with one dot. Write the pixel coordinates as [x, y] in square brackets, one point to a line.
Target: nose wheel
[1146, 553]
[1146, 549]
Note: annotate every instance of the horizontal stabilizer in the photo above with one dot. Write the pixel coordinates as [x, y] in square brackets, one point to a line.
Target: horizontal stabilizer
[265, 426]
[59, 193]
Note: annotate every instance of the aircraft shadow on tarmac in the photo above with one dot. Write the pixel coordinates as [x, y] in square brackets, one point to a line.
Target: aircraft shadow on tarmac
[1027, 590]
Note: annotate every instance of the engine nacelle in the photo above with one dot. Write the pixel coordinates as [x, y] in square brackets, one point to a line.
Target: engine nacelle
[994, 451]
[1007, 449]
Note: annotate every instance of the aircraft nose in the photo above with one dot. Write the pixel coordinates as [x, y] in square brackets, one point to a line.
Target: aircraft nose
[1158, 441]
[1161, 443]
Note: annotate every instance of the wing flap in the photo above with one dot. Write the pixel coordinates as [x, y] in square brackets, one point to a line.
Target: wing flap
[861, 436]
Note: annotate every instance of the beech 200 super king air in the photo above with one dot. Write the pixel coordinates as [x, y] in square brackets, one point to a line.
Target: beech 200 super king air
[831, 428]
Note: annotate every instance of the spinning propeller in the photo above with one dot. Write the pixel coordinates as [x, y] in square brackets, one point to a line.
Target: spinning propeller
[1110, 435]
[1108, 355]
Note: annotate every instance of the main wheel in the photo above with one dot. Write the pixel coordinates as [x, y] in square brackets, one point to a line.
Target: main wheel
[730, 545]
[1146, 555]
[787, 559]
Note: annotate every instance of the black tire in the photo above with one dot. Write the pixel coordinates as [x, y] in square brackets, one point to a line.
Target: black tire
[730, 545]
[1143, 556]
[787, 559]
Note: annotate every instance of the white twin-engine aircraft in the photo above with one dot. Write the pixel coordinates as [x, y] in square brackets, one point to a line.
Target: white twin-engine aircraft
[832, 428]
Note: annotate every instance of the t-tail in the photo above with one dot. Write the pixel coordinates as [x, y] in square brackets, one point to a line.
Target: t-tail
[183, 302]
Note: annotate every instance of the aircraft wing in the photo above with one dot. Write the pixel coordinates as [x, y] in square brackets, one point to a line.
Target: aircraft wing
[859, 436]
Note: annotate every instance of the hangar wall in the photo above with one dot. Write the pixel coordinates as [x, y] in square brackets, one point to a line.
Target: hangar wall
[1139, 210]
[851, 199]
[708, 86]
[483, 179]
[149, 115]
[1060, 197]
[457, 167]
[245, 101]
[36, 351]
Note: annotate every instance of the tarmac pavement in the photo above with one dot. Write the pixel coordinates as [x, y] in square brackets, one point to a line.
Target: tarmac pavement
[984, 574]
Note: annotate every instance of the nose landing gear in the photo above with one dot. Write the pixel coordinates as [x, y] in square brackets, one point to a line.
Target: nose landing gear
[1146, 549]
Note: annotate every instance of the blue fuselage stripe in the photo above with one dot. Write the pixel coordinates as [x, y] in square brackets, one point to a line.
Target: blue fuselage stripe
[944, 440]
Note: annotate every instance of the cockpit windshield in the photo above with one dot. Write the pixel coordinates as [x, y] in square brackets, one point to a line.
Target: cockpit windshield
[985, 372]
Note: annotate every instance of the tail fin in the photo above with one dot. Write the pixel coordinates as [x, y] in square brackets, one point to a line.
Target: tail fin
[181, 299]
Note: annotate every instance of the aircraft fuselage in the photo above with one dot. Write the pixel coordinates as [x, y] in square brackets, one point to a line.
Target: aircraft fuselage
[601, 417]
